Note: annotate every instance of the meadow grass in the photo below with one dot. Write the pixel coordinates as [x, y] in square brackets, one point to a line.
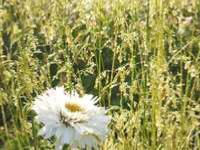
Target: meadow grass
[140, 57]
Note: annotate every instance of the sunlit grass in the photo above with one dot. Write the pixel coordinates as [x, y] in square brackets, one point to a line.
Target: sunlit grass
[140, 57]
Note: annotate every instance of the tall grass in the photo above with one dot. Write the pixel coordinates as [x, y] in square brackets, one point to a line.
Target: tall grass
[140, 57]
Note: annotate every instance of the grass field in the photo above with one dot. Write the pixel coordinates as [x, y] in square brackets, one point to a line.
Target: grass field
[140, 57]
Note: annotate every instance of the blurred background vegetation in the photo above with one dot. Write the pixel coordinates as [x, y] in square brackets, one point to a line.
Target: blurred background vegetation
[140, 57]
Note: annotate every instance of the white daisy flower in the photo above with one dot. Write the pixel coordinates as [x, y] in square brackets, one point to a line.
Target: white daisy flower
[72, 119]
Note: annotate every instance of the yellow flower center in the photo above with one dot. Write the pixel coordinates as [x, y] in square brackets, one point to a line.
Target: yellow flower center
[73, 107]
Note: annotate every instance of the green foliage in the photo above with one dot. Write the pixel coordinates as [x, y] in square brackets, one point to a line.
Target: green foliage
[140, 57]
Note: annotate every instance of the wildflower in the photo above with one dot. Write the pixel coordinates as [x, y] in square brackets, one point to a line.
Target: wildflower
[72, 119]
